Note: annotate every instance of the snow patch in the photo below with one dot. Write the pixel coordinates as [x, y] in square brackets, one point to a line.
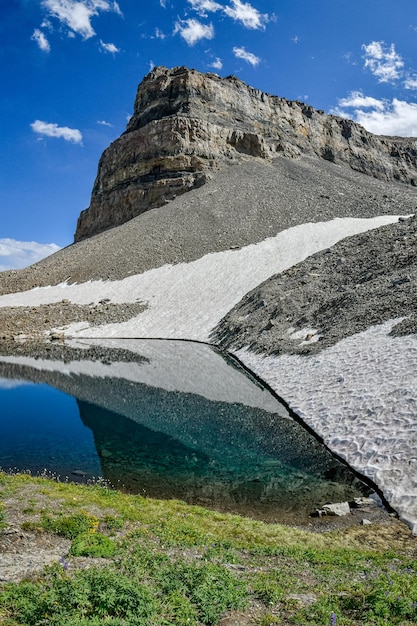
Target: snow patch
[307, 335]
[359, 395]
[186, 301]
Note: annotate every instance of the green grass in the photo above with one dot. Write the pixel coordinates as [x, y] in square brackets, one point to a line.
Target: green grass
[3, 491]
[156, 563]
[96, 545]
[69, 526]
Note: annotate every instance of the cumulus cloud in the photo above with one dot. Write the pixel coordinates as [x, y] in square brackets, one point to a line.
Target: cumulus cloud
[192, 30]
[104, 123]
[239, 11]
[109, 47]
[382, 117]
[357, 100]
[247, 14]
[53, 130]
[249, 57]
[204, 6]
[411, 82]
[18, 254]
[77, 14]
[41, 40]
[217, 64]
[383, 61]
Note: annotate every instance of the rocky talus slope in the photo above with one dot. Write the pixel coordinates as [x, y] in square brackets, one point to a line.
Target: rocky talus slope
[242, 204]
[186, 124]
[360, 282]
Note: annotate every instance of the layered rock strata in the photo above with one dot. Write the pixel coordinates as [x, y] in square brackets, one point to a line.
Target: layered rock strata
[186, 124]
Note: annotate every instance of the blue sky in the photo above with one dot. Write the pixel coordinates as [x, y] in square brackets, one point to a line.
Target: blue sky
[70, 70]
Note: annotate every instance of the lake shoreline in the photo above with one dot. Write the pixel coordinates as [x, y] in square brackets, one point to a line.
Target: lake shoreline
[56, 536]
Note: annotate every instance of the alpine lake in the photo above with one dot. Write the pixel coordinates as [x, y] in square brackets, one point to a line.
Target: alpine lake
[163, 419]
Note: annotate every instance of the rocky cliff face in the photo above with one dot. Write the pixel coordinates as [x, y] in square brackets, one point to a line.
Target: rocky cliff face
[186, 124]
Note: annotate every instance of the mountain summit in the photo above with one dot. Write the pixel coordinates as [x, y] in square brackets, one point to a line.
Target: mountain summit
[186, 125]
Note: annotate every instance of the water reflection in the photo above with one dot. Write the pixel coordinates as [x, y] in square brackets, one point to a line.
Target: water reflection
[165, 419]
[39, 426]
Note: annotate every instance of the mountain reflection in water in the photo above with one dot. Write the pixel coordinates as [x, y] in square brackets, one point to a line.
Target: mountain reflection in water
[173, 419]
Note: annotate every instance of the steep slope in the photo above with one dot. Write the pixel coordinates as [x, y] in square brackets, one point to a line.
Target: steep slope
[360, 282]
[186, 125]
[242, 204]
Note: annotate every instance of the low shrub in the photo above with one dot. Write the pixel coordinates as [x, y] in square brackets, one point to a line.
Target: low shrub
[70, 526]
[96, 545]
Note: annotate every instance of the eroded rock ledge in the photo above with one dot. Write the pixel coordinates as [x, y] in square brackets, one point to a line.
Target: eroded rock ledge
[186, 124]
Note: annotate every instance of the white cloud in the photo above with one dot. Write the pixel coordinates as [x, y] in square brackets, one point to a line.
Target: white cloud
[411, 82]
[18, 254]
[192, 30]
[117, 9]
[249, 57]
[159, 34]
[217, 64]
[204, 6]
[104, 123]
[41, 40]
[109, 47]
[77, 14]
[247, 14]
[163, 3]
[239, 11]
[357, 100]
[53, 130]
[382, 117]
[383, 61]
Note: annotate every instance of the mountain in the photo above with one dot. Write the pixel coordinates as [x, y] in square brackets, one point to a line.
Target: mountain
[186, 125]
[278, 232]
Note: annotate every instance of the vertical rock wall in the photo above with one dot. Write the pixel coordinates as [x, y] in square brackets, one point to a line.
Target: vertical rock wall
[186, 124]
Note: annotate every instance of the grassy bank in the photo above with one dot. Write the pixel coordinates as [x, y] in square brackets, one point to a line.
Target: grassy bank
[132, 560]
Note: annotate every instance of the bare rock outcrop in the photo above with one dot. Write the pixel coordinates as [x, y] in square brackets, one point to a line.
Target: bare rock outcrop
[186, 124]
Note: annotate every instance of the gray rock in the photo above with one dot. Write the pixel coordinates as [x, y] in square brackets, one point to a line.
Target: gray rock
[186, 124]
[337, 508]
[338, 292]
[78, 472]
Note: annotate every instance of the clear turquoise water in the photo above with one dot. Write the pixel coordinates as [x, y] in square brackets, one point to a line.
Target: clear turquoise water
[41, 430]
[165, 443]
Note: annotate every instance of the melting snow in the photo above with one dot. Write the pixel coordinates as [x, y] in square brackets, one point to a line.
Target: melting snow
[187, 300]
[360, 396]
